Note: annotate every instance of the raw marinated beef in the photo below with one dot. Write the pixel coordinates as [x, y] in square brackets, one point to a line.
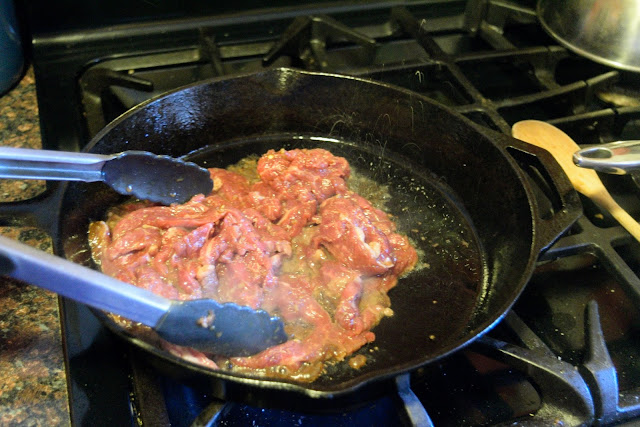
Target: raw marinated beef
[284, 234]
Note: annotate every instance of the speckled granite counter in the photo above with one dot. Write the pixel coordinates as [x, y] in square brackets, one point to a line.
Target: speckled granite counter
[33, 385]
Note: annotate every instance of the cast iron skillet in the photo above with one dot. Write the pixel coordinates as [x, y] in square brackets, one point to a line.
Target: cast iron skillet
[457, 192]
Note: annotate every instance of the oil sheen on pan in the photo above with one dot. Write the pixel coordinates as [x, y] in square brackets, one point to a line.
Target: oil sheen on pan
[297, 233]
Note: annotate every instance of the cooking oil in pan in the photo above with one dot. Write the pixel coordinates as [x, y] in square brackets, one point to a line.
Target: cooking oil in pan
[434, 303]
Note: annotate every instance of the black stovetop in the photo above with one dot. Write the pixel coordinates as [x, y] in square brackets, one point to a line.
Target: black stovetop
[567, 354]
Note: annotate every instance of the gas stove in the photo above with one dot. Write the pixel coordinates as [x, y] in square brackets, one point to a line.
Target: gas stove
[566, 354]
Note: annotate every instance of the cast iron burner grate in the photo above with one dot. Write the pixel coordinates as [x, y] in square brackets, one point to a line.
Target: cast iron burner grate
[567, 354]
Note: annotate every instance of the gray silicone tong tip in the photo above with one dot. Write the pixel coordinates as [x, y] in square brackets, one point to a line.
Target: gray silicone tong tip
[238, 330]
[156, 178]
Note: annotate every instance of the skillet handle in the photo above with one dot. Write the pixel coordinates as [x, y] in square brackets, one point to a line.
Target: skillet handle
[547, 182]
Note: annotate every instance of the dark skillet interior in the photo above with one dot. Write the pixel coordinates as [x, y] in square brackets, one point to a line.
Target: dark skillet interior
[448, 284]
[454, 192]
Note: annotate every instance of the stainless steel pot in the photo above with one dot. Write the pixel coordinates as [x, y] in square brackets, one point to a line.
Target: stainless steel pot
[605, 31]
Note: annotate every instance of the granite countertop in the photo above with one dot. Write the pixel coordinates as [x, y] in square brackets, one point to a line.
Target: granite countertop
[33, 383]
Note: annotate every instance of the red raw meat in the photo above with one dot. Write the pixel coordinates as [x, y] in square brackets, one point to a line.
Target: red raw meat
[296, 243]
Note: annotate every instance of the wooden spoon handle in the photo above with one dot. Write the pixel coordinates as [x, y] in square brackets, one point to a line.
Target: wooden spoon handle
[604, 199]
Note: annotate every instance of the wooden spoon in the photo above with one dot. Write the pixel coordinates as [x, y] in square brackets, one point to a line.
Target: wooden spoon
[585, 181]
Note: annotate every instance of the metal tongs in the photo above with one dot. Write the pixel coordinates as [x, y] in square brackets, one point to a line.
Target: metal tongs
[148, 176]
[620, 157]
[205, 325]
